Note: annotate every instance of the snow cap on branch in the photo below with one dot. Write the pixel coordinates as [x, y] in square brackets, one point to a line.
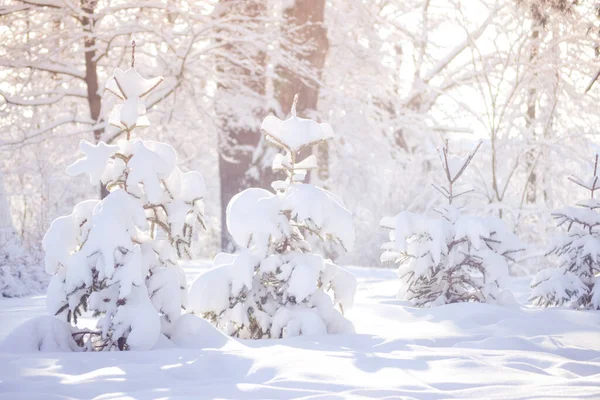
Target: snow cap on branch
[294, 133]
[95, 160]
[130, 87]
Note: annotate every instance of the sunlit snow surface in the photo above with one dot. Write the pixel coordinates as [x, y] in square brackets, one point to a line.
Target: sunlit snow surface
[471, 351]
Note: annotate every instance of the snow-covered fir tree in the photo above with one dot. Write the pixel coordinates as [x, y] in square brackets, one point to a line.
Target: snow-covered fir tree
[575, 282]
[276, 286]
[452, 257]
[117, 257]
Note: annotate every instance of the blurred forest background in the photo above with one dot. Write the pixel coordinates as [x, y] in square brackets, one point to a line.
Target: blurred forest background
[393, 77]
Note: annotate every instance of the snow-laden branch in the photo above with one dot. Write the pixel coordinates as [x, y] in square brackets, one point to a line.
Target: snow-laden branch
[41, 99]
[46, 66]
[51, 127]
[452, 54]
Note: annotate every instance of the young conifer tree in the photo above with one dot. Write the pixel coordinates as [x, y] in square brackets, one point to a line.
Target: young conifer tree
[452, 257]
[276, 286]
[117, 257]
[575, 282]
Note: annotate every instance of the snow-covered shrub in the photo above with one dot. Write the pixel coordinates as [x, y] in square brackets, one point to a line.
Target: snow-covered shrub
[276, 286]
[20, 273]
[118, 257]
[575, 282]
[451, 257]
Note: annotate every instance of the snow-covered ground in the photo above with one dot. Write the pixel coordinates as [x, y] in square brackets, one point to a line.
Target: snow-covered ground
[475, 351]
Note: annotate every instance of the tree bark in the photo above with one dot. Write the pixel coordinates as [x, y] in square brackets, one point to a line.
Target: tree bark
[306, 20]
[236, 141]
[91, 72]
[241, 164]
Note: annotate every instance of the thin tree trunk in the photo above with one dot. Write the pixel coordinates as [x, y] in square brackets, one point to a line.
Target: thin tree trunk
[7, 229]
[531, 191]
[91, 72]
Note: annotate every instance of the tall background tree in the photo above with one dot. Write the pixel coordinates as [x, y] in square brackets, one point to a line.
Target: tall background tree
[394, 78]
[287, 62]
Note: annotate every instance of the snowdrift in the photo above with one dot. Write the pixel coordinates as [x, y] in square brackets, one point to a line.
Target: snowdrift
[454, 351]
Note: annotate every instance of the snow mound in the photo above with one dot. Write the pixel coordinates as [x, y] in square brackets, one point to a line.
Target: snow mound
[462, 350]
[192, 331]
[40, 334]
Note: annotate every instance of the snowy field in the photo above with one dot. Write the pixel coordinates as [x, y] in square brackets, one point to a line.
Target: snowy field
[475, 351]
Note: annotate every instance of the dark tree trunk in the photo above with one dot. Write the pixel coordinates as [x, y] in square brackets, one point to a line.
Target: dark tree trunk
[234, 162]
[240, 164]
[91, 72]
[306, 20]
[306, 23]
[236, 144]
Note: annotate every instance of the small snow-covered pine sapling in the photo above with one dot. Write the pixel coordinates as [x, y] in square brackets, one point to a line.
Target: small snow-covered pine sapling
[276, 286]
[117, 257]
[453, 257]
[576, 281]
